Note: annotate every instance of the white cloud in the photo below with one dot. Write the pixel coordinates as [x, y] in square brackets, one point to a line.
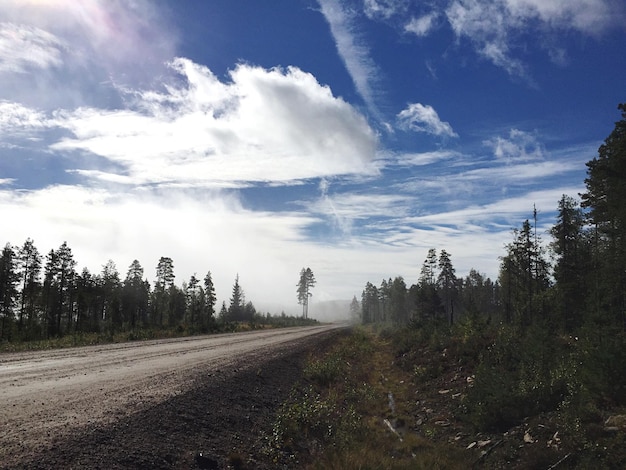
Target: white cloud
[17, 118]
[423, 118]
[511, 210]
[264, 125]
[424, 158]
[23, 48]
[421, 26]
[494, 26]
[588, 16]
[518, 146]
[345, 209]
[383, 9]
[353, 51]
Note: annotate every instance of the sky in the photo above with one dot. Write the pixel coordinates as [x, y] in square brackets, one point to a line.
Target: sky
[255, 138]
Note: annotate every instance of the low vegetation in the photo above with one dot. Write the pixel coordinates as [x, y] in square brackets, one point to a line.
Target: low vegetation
[387, 397]
[90, 339]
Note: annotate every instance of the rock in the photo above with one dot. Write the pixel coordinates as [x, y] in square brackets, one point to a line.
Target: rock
[528, 438]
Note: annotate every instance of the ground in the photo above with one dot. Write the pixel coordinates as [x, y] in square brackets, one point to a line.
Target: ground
[223, 421]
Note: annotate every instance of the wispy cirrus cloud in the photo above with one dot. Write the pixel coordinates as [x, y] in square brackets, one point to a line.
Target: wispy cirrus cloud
[26, 48]
[423, 118]
[494, 26]
[353, 51]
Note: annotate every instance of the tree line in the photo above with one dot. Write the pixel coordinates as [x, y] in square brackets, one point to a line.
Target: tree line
[45, 297]
[577, 278]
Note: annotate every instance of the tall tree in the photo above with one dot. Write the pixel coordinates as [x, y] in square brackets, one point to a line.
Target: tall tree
[428, 274]
[571, 248]
[135, 296]
[9, 279]
[305, 284]
[29, 262]
[398, 301]
[425, 295]
[606, 201]
[384, 292]
[523, 274]
[447, 284]
[194, 295]
[110, 305]
[87, 301]
[369, 304]
[211, 299]
[162, 287]
[237, 302]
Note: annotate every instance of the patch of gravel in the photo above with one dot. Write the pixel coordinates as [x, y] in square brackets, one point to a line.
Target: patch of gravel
[225, 416]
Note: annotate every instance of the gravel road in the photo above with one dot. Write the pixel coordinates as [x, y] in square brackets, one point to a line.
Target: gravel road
[51, 401]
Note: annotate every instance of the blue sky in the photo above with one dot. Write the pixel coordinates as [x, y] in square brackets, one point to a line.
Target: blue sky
[258, 137]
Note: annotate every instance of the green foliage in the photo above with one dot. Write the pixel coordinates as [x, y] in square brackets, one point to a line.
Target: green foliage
[325, 371]
[518, 376]
[310, 421]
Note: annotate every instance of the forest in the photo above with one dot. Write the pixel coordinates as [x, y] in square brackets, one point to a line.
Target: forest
[44, 297]
[550, 332]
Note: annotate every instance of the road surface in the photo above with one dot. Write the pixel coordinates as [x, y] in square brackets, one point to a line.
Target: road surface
[52, 394]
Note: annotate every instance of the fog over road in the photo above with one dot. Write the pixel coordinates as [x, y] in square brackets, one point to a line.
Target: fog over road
[53, 393]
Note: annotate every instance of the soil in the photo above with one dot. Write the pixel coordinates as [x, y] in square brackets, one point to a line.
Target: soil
[221, 418]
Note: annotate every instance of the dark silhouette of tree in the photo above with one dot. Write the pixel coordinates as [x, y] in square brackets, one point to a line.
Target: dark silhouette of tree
[162, 290]
[29, 263]
[135, 296]
[369, 303]
[305, 284]
[447, 284]
[237, 302]
[211, 299]
[605, 200]
[523, 274]
[111, 308]
[9, 279]
[571, 246]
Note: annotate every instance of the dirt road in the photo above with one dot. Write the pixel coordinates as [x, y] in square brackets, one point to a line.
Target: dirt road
[50, 400]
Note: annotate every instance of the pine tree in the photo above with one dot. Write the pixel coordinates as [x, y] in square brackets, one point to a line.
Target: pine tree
[237, 302]
[606, 201]
[29, 262]
[446, 282]
[572, 253]
[305, 284]
[135, 295]
[211, 299]
[9, 279]
[163, 291]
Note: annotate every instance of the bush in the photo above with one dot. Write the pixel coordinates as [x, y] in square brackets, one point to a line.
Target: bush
[518, 376]
[312, 421]
[325, 371]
